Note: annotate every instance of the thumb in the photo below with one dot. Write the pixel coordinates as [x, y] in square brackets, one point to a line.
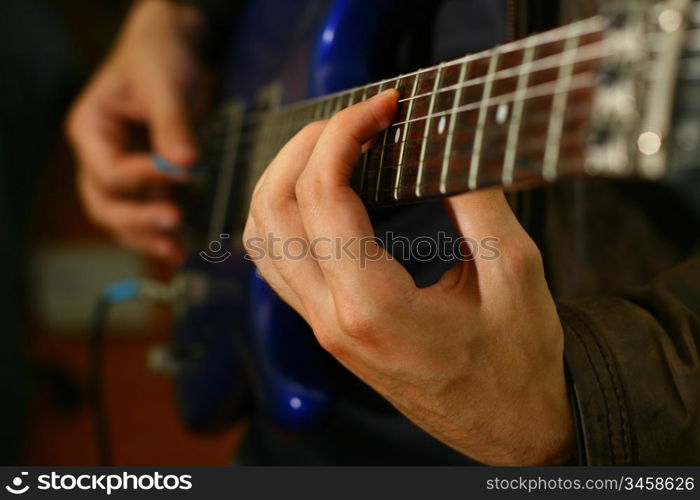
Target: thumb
[170, 128]
[484, 214]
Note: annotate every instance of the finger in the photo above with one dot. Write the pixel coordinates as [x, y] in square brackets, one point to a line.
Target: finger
[296, 275]
[483, 214]
[488, 221]
[331, 209]
[100, 136]
[169, 122]
[163, 246]
[123, 215]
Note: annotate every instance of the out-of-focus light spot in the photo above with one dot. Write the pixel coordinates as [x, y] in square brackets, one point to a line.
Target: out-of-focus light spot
[670, 20]
[328, 35]
[649, 143]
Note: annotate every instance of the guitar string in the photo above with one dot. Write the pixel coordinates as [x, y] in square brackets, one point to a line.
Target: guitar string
[589, 26]
[569, 31]
[580, 28]
[245, 158]
[497, 100]
[581, 81]
[551, 62]
[575, 29]
[503, 74]
[594, 25]
[284, 129]
[584, 111]
[522, 146]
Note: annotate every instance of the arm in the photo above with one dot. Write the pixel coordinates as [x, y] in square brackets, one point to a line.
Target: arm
[634, 361]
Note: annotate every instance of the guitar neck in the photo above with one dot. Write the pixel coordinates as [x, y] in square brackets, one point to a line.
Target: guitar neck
[513, 115]
[594, 97]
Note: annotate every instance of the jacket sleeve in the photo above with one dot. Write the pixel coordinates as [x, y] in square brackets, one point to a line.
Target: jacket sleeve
[634, 367]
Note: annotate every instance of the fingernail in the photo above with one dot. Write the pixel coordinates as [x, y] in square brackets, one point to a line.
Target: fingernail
[389, 106]
[385, 93]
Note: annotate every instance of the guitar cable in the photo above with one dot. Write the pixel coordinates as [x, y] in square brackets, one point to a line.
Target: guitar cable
[113, 294]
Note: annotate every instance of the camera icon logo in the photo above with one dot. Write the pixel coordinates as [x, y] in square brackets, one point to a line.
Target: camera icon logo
[16, 487]
[215, 253]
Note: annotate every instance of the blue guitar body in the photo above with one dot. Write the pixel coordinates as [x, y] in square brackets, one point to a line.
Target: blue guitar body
[242, 349]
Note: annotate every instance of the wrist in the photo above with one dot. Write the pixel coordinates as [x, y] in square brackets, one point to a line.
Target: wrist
[551, 425]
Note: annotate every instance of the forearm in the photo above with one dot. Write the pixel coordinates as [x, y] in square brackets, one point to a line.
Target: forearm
[635, 369]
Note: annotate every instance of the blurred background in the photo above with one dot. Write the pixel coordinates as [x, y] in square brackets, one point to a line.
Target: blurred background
[54, 263]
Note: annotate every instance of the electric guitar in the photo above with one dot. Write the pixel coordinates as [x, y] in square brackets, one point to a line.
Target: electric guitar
[609, 95]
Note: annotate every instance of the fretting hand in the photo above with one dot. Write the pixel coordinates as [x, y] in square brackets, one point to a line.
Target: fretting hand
[475, 360]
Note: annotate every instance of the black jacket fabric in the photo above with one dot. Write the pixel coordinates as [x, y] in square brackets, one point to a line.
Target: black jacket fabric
[622, 263]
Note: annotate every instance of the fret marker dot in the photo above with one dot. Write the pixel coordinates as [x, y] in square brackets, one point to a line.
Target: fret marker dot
[502, 114]
[649, 143]
[397, 136]
[670, 20]
[441, 125]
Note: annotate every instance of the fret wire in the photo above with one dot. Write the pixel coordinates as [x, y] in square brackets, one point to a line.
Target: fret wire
[227, 167]
[278, 131]
[587, 54]
[545, 115]
[426, 132]
[247, 151]
[366, 156]
[383, 146]
[517, 116]
[556, 124]
[590, 52]
[533, 95]
[259, 158]
[586, 26]
[405, 134]
[572, 164]
[582, 80]
[483, 113]
[549, 62]
[339, 103]
[502, 99]
[451, 129]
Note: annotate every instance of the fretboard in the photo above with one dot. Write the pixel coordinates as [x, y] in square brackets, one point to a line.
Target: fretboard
[594, 97]
[510, 116]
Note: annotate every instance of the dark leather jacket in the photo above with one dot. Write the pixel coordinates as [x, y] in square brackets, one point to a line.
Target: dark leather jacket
[623, 265]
